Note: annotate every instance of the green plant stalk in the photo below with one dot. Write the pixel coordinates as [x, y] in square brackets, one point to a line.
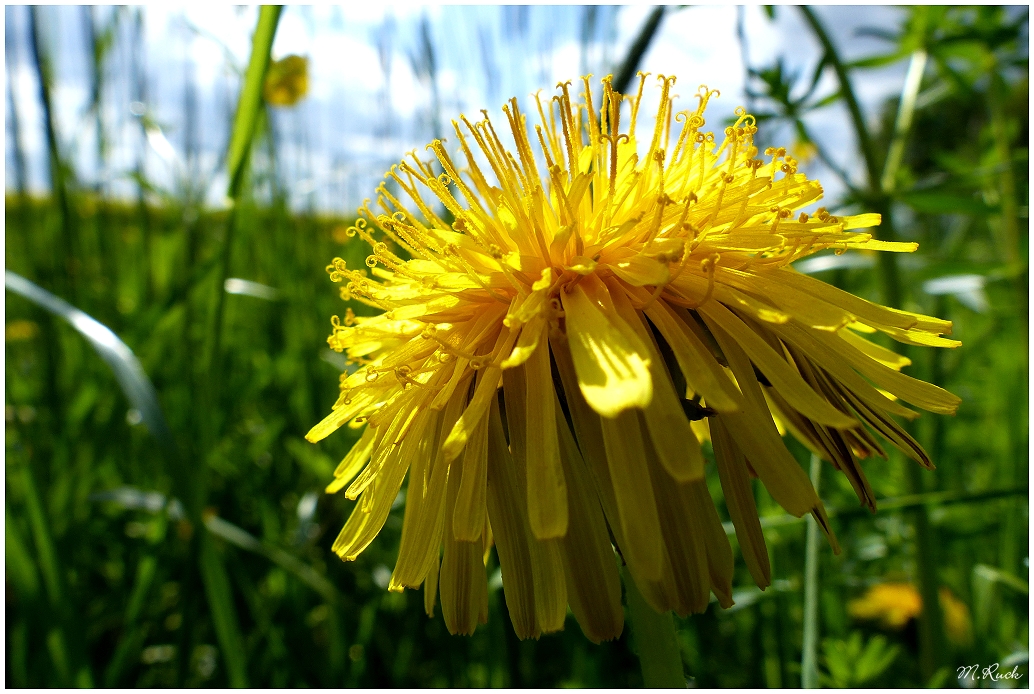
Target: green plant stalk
[224, 615]
[1007, 179]
[1011, 542]
[930, 630]
[810, 640]
[931, 646]
[15, 145]
[69, 248]
[133, 636]
[656, 643]
[847, 91]
[68, 660]
[212, 572]
[249, 106]
[630, 65]
[903, 123]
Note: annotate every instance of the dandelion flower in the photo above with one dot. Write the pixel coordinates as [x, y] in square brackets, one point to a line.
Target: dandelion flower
[894, 605]
[287, 81]
[563, 318]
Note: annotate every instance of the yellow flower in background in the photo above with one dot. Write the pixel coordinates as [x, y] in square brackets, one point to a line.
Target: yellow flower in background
[19, 330]
[287, 81]
[893, 605]
[560, 316]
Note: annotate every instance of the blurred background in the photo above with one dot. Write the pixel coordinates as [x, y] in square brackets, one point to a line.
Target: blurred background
[171, 207]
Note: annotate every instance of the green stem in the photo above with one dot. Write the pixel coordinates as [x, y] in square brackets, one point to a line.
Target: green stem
[906, 112]
[847, 91]
[809, 650]
[656, 642]
[624, 74]
[69, 251]
[249, 108]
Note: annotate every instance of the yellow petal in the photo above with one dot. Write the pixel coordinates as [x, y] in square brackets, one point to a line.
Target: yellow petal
[468, 515]
[804, 308]
[832, 361]
[533, 575]
[640, 270]
[351, 408]
[593, 583]
[774, 366]
[431, 584]
[369, 514]
[613, 371]
[462, 581]
[755, 433]
[688, 590]
[920, 393]
[424, 519]
[704, 375]
[547, 491]
[526, 343]
[716, 543]
[672, 437]
[484, 393]
[352, 463]
[636, 504]
[739, 499]
[875, 351]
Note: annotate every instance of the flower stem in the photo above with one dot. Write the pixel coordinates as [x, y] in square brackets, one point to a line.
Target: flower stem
[809, 654]
[656, 643]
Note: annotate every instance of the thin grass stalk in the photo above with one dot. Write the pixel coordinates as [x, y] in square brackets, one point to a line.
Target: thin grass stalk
[930, 630]
[238, 156]
[65, 649]
[140, 88]
[588, 25]
[1011, 538]
[810, 641]
[847, 91]
[99, 43]
[630, 65]
[656, 642]
[133, 635]
[15, 143]
[58, 174]
[204, 556]
[903, 124]
[223, 613]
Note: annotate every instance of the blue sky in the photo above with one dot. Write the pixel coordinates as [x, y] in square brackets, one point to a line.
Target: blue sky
[369, 103]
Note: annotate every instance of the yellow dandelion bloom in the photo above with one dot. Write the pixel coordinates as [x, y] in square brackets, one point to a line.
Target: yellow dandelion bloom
[894, 605]
[287, 81]
[560, 316]
[19, 330]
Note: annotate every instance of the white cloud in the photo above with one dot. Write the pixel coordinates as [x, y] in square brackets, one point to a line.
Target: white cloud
[343, 131]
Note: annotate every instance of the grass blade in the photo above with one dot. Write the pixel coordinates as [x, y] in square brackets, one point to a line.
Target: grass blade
[154, 502]
[224, 615]
[250, 102]
[20, 569]
[656, 642]
[809, 655]
[127, 369]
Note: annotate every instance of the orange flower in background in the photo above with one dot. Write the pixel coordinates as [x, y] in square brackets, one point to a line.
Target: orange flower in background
[560, 316]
